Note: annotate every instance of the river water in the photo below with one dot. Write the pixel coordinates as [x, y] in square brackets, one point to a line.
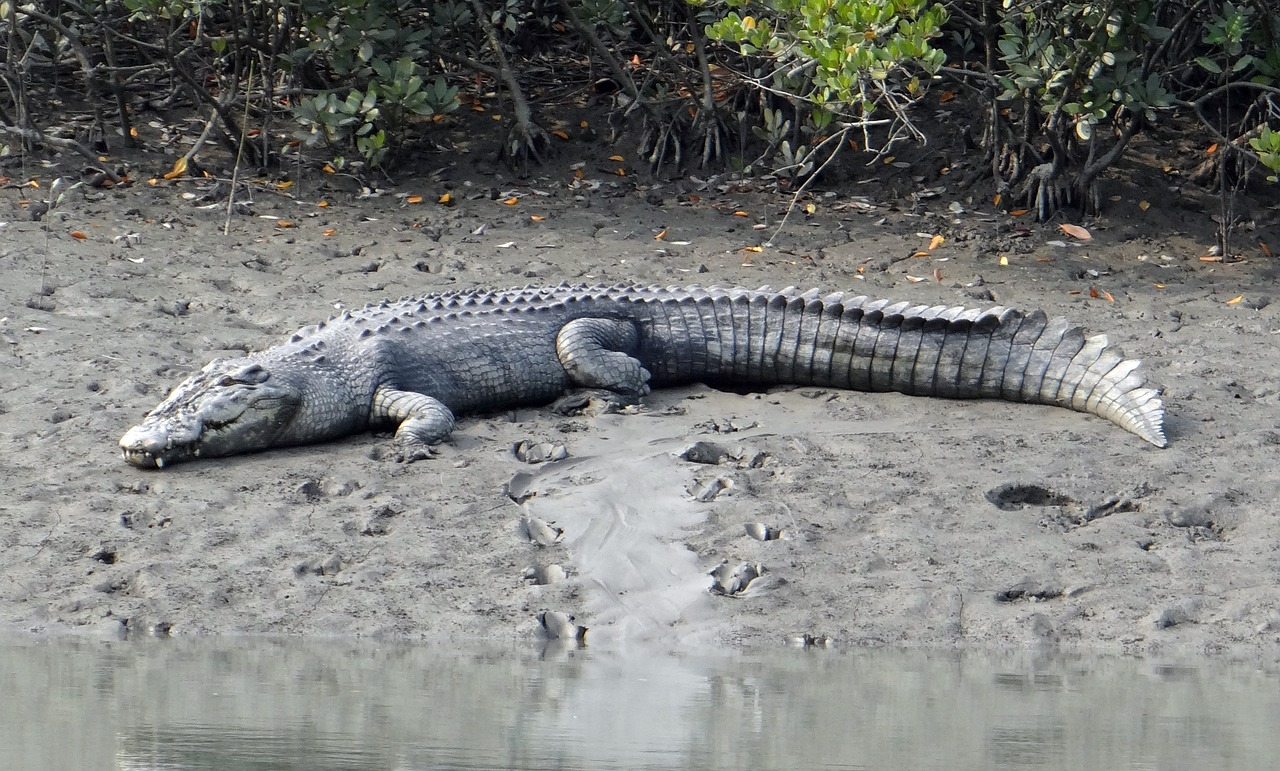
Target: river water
[288, 704]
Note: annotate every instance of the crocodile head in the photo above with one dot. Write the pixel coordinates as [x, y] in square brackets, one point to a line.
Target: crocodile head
[230, 406]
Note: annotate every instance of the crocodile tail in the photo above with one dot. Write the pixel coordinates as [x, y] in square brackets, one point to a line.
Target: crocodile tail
[1004, 354]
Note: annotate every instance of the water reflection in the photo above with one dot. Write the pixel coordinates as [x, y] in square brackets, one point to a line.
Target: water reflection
[182, 704]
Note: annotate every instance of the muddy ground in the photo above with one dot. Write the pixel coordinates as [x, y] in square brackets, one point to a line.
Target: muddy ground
[905, 521]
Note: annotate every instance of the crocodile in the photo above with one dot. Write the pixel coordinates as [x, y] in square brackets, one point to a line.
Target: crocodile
[415, 363]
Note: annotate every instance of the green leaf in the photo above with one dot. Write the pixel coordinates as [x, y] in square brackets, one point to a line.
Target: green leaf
[1209, 64]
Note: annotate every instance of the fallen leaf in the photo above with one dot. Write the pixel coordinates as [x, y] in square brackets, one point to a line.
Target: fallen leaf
[284, 223]
[537, 217]
[752, 249]
[1004, 261]
[919, 254]
[617, 158]
[946, 96]
[1018, 212]
[78, 234]
[621, 172]
[288, 183]
[935, 242]
[661, 235]
[561, 133]
[1210, 258]
[413, 199]
[915, 279]
[1075, 231]
[328, 232]
[1159, 286]
[512, 201]
[937, 275]
[1265, 249]
[1213, 148]
[323, 204]
[445, 199]
[1144, 205]
[179, 168]
[741, 213]
[328, 169]
[810, 208]
[583, 124]
[1235, 300]
[995, 201]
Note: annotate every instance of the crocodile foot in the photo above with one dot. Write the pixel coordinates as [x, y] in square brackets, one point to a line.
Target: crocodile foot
[595, 401]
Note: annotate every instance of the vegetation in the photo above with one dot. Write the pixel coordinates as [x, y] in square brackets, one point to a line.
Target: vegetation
[1055, 89]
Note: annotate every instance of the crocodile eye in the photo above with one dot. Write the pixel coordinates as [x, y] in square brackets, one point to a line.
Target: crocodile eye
[250, 374]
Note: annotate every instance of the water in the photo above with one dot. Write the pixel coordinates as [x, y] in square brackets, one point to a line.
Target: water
[253, 704]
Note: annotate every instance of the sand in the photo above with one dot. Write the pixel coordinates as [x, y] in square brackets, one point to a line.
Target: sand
[904, 521]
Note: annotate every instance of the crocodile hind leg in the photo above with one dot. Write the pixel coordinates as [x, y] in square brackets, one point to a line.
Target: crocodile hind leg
[423, 421]
[595, 354]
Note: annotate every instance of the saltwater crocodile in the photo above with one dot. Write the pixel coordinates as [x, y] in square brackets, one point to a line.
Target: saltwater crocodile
[417, 362]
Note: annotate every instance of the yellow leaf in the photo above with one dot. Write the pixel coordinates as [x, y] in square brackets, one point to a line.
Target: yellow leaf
[935, 242]
[323, 204]
[288, 183]
[328, 169]
[1004, 261]
[1233, 301]
[810, 208]
[888, 159]
[919, 254]
[496, 116]
[1144, 205]
[748, 22]
[537, 217]
[661, 235]
[741, 213]
[583, 124]
[1159, 286]
[512, 201]
[617, 158]
[328, 232]
[413, 199]
[179, 168]
[621, 172]
[445, 199]
[284, 223]
[915, 279]
[753, 248]
[1075, 231]
[561, 133]
[996, 200]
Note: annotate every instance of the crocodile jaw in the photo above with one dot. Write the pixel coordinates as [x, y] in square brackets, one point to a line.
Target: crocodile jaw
[228, 407]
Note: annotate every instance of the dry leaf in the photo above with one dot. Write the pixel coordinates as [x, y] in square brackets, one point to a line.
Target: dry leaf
[1213, 148]
[1144, 205]
[752, 249]
[937, 275]
[810, 208]
[537, 217]
[935, 242]
[1018, 212]
[583, 124]
[915, 279]
[561, 133]
[323, 204]
[445, 199]
[995, 201]
[512, 201]
[1075, 231]
[78, 234]
[617, 158]
[1235, 300]
[328, 169]
[413, 199]
[1265, 249]
[1159, 286]
[179, 168]
[1004, 261]
[288, 183]
[947, 96]
[661, 235]
[919, 254]
[741, 213]
[284, 223]
[328, 232]
[1210, 258]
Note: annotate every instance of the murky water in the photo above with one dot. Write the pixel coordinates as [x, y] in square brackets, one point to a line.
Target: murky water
[231, 705]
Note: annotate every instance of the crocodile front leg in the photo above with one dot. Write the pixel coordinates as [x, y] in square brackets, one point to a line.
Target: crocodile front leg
[596, 354]
[423, 421]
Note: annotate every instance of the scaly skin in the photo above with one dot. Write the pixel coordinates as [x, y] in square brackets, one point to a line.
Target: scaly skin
[418, 362]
